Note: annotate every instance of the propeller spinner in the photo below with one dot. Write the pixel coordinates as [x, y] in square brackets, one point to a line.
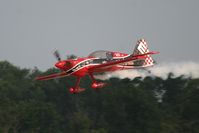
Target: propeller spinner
[60, 64]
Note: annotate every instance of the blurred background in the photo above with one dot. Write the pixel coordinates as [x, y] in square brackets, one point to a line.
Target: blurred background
[163, 101]
[31, 30]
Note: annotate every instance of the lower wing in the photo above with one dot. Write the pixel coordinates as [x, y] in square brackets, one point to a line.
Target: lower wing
[53, 76]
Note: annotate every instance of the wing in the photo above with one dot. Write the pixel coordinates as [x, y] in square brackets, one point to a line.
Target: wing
[53, 76]
[132, 57]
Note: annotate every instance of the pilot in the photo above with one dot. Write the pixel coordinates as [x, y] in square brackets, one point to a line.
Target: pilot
[109, 55]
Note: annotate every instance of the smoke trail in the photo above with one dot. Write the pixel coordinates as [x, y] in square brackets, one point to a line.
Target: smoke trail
[188, 69]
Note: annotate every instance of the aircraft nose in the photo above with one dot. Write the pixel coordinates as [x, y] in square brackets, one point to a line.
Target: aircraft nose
[60, 64]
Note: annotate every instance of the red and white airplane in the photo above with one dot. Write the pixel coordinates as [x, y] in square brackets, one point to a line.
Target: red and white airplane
[101, 61]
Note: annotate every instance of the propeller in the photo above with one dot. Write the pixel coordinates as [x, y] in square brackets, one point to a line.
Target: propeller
[57, 55]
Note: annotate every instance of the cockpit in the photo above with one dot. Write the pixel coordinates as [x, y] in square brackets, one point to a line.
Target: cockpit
[102, 54]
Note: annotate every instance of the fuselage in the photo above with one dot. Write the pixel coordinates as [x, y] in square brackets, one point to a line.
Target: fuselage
[82, 66]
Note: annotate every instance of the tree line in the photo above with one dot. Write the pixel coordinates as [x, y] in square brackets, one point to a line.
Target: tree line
[149, 105]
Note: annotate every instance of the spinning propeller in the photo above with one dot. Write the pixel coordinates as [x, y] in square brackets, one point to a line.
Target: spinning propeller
[57, 55]
[61, 64]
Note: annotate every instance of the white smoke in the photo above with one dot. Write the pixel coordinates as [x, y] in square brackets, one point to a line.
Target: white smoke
[188, 69]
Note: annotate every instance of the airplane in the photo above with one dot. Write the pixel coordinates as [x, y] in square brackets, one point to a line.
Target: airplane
[99, 62]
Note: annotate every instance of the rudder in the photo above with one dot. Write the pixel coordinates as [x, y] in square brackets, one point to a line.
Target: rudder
[142, 48]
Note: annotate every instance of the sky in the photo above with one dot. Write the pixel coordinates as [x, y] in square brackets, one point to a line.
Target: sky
[30, 30]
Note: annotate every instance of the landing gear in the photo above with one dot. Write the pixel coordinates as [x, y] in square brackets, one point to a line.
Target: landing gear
[95, 84]
[76, 89]
[98, 85]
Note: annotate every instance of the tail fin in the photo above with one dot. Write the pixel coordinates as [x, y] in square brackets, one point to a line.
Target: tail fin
[142, 48]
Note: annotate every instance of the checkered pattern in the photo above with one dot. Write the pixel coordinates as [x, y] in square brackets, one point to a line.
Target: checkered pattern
[142, 48]
[148, 61]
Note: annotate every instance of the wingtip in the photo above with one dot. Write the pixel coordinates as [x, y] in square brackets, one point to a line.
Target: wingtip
[154, 52]
[37, 78]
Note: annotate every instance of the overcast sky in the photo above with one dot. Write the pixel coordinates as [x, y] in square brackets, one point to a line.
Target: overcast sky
[30, 30]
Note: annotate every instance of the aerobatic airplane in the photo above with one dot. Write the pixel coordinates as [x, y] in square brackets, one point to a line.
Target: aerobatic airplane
[99, 62]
